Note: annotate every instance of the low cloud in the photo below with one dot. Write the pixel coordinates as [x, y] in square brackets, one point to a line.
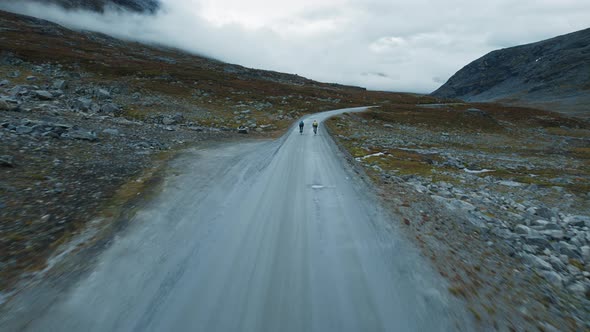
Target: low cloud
[380, 44]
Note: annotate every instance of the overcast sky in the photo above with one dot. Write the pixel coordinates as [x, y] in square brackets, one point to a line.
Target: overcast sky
[380, 44]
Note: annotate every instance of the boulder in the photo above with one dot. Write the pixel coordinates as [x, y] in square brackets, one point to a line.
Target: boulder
[110, 131]
[24, 130]
[526, 231]
[110, 108]
[178, 117]
[537, 240]
[6, 161]
[103, 94]
[4, 83]
[43, 95]
[168, 121]
[540, 223]
[95, 107]
[553, 277]
[577, 221]
[81, 135]
[5, 106]
[538, 262]
[557, 263]
[510, 183]
[578, 288]
[59, 85]
[242, 130]
[17, 90]
[544, 212]
[83, 104]
[552, 226]
[553, 234]
[585, 253]
[568, 250]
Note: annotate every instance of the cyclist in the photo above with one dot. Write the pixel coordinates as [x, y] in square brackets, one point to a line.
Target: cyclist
[301, 127]
[315, 127]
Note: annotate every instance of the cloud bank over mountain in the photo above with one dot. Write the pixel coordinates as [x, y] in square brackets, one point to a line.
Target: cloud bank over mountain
[380, 44]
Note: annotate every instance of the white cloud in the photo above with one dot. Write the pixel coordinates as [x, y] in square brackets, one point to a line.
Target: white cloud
[381, 44]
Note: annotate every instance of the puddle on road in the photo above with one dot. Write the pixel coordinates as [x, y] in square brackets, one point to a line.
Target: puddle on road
[321, 186]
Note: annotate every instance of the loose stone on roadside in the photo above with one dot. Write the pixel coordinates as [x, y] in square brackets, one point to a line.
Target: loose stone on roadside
[6, 161]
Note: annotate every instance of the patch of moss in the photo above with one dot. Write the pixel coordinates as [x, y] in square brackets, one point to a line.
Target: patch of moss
[577, 264]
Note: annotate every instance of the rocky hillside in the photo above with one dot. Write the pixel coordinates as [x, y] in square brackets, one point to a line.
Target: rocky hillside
[149, 6]
[552, 74]
[497, 196]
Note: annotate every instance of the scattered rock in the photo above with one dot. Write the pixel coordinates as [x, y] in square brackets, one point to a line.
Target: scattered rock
[103, 94]
[24, 130]
[81, 135]
[522, 230]
[59, 85]
[83, 104]
[4, 106]
[568, 250]
[553, 277]
[544, 212]
[6, 161]
[554, 234]
[511, 183]
[168, 121]
[112, 132]
[43, 95]
[585, 253]
[110, 108]
[538, 262]
[578, 288]
[552, 226]
[539, 223]
[539, 241]
[577, 220]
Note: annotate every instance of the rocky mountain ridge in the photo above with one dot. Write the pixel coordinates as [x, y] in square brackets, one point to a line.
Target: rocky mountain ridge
[146, 6]
[550, 74]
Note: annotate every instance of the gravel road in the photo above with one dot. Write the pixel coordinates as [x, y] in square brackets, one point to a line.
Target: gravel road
[258, 236]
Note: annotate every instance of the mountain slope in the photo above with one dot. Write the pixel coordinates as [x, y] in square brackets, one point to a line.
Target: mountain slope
[552, 74]
[150, 6]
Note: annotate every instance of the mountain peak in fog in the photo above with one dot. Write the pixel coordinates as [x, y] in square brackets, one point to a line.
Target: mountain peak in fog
[149, 6]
